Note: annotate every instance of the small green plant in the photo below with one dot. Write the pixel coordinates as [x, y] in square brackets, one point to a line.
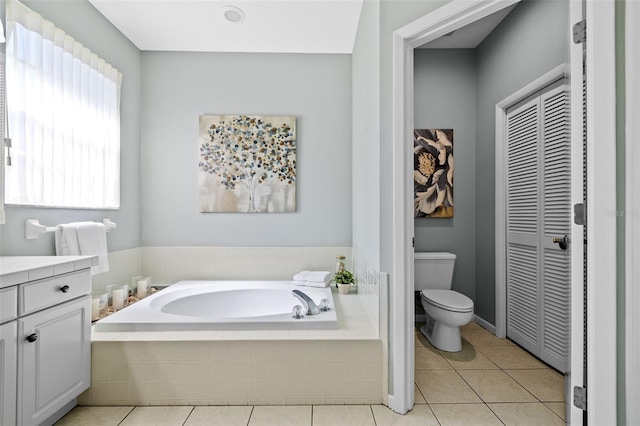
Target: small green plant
[344, 277]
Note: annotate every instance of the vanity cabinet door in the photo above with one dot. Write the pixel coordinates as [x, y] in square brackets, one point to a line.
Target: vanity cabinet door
[8, 371]
[54, 349]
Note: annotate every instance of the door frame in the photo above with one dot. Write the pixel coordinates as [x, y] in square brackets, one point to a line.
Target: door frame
[443, 20]
[632, 213]
[602, 237]
[602, 224]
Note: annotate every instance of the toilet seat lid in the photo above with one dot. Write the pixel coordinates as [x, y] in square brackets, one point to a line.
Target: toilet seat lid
[448, 299]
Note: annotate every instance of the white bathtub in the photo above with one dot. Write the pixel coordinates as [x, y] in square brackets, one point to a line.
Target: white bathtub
[222, 305]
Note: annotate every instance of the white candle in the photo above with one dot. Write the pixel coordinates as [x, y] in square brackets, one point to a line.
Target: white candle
[142, 288]
[95, 308]
[118, 298]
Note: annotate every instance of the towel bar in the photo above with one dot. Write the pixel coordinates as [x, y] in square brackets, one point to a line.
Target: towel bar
[33, 229]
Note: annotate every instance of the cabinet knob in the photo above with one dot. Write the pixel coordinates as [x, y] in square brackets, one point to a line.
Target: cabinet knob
[32, 337]
[64, 288]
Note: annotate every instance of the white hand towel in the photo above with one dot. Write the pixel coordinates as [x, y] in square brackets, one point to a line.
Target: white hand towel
[318, 276]
[313, 276]
[301, 276]
[66, 238]
[311, 284]
[84, 238]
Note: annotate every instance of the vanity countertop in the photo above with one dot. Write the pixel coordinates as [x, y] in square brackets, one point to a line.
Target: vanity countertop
[21, 269]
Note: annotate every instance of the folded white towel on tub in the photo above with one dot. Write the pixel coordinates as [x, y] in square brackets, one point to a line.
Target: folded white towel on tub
[313, 276]
[311, 284]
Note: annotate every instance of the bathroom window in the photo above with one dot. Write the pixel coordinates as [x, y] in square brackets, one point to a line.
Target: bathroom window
[63, 105]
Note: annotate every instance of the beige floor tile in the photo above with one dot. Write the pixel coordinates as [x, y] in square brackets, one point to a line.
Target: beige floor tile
[158, 416]
[534, 414]
[464, 415]
[495, 386]
[219, 416]
[560, 408]
[419, 399]
[444, 386]
[429, 358]
[546, 385]
[483, 338]
[342, 415]
[510, 358]
[95, 416]
[421, 341]
[420, 415]
[471, 326]
[279, 415]
[468, 358]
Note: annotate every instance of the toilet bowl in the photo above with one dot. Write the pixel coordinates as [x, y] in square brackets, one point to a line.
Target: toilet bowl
[446, 310]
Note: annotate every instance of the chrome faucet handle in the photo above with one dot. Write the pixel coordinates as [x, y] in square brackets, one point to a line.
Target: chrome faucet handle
[306, 301]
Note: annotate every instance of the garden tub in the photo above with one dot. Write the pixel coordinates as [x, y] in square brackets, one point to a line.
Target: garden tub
[222, 305]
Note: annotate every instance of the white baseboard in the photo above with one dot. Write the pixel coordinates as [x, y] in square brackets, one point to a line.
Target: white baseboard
[485, 324]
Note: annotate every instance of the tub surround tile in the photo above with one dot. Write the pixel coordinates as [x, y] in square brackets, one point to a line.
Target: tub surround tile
[465, 415]
[525, 414]
[243, 367]
[171, 264]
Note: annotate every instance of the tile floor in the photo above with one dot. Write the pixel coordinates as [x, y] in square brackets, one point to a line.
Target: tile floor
[490, 382]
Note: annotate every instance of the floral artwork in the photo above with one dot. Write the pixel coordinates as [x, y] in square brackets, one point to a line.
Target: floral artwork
[247, 163]
[433, 172]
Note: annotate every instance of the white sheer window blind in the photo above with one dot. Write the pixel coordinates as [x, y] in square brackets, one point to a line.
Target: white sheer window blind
[64, 118]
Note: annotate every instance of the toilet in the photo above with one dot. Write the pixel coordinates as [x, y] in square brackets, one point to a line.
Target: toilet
[446, 310]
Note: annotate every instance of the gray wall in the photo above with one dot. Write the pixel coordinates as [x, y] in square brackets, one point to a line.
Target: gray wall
[178, 87]
[531, 41]
[445, 97]
[394, 14]
[366, 135]
[83, 22]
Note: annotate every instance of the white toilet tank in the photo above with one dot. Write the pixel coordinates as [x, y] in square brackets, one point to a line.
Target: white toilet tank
[433, 270]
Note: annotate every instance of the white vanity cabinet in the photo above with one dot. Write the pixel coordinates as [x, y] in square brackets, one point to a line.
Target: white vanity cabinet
[48, 361]
[8, 373]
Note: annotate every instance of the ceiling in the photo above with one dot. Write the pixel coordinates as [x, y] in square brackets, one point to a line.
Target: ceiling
[273, 26]
[470, 36]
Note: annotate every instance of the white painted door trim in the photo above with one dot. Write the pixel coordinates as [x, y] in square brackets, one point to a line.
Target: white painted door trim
[632, 213]
[501, 191]
[576, 81]
[450, 17]
[601, 201]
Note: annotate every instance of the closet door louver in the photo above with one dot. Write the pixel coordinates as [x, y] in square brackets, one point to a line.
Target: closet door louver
[556, 218]
[538, 210]
[523, 132]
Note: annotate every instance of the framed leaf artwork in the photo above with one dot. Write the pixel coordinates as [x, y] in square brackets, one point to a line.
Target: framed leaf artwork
[247, 163]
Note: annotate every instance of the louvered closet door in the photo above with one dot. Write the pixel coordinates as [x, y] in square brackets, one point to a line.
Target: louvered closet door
[538, 210]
